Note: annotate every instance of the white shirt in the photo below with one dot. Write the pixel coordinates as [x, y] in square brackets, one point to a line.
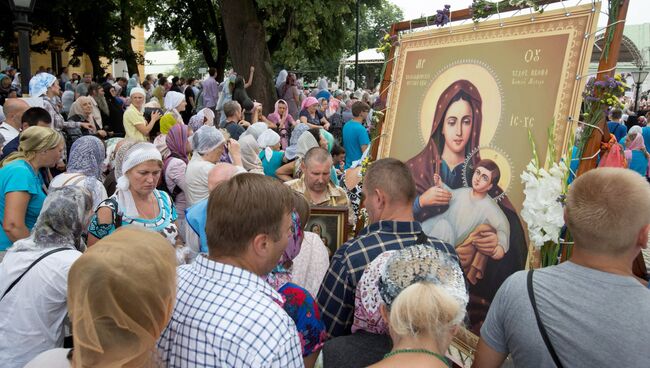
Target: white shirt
[196, 179]
[311, 264]
[33, 311]
[8, 131]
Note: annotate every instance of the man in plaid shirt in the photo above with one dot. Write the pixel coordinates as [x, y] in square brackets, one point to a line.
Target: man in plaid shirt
[389, 191]
[226, 314]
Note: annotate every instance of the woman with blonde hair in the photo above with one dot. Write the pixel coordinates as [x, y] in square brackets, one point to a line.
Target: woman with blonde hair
[118, 304]
[22, 186]
[423, 301]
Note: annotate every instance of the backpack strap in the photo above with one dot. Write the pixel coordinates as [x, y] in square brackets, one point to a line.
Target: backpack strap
[30, 267]
[540, 325]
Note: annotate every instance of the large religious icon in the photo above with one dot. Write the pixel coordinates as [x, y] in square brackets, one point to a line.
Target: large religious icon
[460, 110]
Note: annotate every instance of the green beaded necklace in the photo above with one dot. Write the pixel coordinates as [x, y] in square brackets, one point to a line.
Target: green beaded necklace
[424, 351]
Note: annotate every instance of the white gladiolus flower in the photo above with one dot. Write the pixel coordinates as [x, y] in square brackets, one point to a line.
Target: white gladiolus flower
[542, 208]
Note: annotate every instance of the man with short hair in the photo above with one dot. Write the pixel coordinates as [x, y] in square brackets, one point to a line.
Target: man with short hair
[234, 123]
[82, 88]
[31, 117]
[210, 90]
[355, 135]
[226, 314]
[593, 310]
[315, 183]
[389, 192]
[13, 111]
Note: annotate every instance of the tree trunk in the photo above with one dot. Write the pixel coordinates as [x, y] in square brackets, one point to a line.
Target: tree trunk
[246, 33]
[220, 37]
[125, 39]
[201, 36]
[98, 71]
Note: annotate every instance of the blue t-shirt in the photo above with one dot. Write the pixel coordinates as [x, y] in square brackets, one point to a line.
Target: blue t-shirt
[645, 132]
[619, 130]
[638, 163]
[19, 176]
[354, 136]
[196, 217]
[270, 167]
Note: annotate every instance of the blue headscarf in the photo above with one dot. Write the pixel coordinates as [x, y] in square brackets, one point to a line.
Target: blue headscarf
[39, 84]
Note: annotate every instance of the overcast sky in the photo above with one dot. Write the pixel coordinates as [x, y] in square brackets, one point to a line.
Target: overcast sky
[638, 11]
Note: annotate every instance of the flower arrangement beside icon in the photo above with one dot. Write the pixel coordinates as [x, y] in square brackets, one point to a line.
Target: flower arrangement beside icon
[469, 209]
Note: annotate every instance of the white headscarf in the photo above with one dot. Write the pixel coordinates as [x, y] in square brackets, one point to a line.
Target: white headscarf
[282, 77]
[255, 130]
[266, 140]
[136, 155]
[172, 100]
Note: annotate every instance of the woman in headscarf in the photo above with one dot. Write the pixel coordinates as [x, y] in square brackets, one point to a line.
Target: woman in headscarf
[250, 150]
[308, 140]
[422, 298]
[454, 139]
[22, 186]
[118, 304]
[115, 112]
[35, 307]
[271, 156]
[311, 116]
[67, 98]
[84, 168]
[289, 93]
[208, 143]
[240, 95]
[283, 121]
[137, 201]
[174, 105]
[115, 167]
[323, 91]
[300, 304]
[132, 83]
[174, 168]
[45, 86]
[281, 78]
[203, 117]
[635, 152]
[158, 95]
[136, 126]
[291, 152]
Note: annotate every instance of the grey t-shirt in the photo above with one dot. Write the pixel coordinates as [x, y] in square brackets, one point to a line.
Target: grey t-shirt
[593, 319]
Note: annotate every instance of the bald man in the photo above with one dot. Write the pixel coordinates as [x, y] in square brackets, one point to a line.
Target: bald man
[196, 215]
[13, 110]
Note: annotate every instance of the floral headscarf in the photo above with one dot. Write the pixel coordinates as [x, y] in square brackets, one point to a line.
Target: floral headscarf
[177, 142]
[86, 156]
[62, 220]
[39, 84]
[280, 275]
[309, 101]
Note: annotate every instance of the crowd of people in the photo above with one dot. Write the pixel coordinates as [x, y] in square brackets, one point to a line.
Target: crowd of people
[165, 223]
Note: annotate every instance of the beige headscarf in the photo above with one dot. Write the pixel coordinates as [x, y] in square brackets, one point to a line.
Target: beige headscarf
[121, 294]
[76, 108]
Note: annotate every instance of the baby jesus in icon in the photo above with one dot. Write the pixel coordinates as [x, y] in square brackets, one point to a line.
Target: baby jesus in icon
[472, 209]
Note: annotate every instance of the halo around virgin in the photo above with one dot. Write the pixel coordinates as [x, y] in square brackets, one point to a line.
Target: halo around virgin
[485, 82]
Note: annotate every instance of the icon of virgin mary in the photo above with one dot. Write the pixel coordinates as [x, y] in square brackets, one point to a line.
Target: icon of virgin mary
[453, 144]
